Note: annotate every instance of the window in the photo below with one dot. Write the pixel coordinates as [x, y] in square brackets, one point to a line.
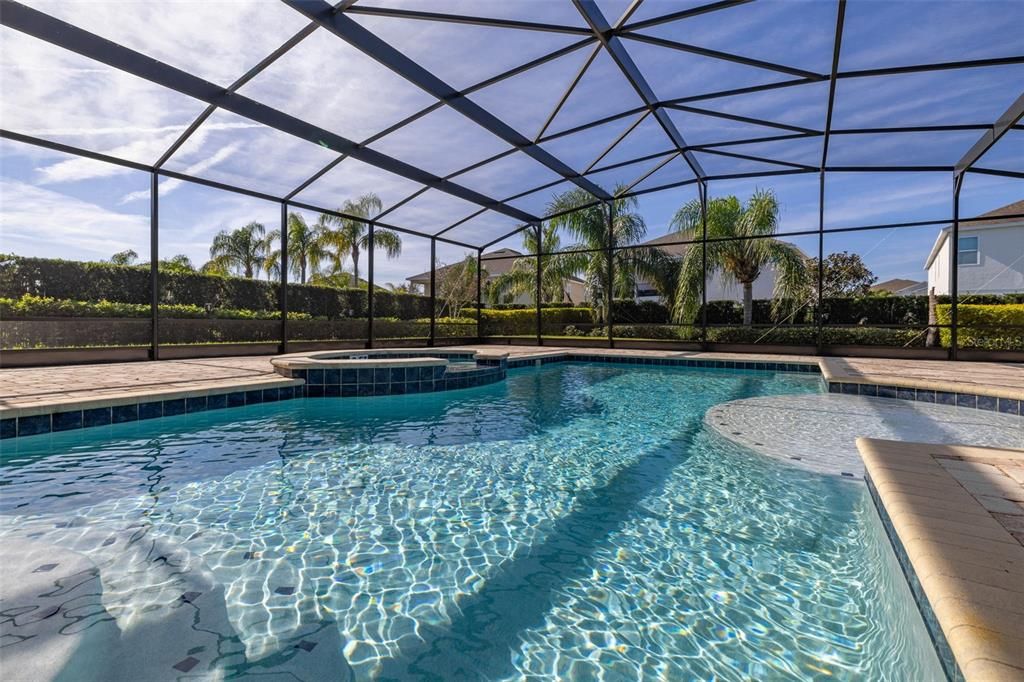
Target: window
[967, 251]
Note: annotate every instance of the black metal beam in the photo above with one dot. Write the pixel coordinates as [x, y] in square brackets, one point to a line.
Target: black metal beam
[1010, 117]
[76, 151]
[610, 281]
[540, 284]
[154, 266]
[245, 78]
[759, 159]
[992, 171]
[479, 290]
[603, 32]
[551, 56]
[750, 89]
[433, 290]
[725, 56]
[568, 91]
[742, 119]
[466, 19]
[684, 14]
[369, 285]
[366, 42]
[614, 143]
[60, 33]
[938, 66]
[283, 300]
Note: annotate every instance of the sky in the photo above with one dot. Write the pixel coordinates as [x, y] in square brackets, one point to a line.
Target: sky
[57, 205]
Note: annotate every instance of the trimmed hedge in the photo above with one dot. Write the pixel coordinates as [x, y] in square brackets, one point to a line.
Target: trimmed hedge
[95, 282]
[522, 322]
[986, 327]
[44, 306]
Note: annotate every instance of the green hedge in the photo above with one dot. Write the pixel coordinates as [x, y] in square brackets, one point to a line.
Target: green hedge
[986, 327]
[44, 306]
[522, 322]
[95, 282]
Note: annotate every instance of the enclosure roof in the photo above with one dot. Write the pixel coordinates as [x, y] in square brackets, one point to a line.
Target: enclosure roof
[466, 117]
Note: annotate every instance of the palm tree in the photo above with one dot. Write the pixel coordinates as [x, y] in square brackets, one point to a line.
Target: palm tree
[739, 260]
[521, 278]
[352, 236]
[305, 248]
[243, 250]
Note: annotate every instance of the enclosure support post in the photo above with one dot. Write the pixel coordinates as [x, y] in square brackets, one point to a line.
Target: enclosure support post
[154, 266]
[954, 266]
[283, 346]
[703, 188]
[479, 290]
[819, 310]
[433, 290]
[539, 299]
[610, 281]
[369, 286]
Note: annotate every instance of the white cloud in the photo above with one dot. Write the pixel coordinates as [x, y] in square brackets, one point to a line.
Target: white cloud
[168, 185]
[41, 222]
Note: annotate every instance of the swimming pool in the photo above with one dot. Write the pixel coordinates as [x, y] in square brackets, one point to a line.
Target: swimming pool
[575, 521]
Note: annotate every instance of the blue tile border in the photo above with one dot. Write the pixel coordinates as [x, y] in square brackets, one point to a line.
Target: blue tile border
[942, 648]
[971, 401]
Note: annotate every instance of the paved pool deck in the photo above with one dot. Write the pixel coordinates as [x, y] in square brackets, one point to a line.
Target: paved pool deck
[38, 390]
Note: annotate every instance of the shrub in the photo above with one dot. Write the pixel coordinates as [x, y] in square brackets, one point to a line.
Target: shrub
[523, 322]
[986, 327]
[639, 312]
[44, 306]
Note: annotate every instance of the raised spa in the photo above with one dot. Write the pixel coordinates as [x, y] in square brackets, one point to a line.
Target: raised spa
[350, 374]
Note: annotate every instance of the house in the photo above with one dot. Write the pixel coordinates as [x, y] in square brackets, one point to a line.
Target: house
[719, 287]
[901, 287]
[990, 254]
[497, 263]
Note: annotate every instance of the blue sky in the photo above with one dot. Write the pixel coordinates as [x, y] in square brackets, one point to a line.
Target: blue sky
[61, 206]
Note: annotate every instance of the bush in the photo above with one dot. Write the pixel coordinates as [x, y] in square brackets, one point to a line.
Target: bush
[95, 282]
[986, 327]
[44, 306]
[523, 322]
[642, 312]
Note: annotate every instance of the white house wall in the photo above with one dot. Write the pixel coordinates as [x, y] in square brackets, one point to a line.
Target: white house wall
[1000, 268]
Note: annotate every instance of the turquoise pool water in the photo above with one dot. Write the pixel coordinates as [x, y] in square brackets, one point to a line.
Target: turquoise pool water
[574, 522]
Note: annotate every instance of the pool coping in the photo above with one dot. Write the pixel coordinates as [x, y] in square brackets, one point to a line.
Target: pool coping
[965, 569]
[69, 413]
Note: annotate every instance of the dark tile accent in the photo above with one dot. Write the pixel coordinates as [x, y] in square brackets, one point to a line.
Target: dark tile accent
[33, 425]
[925, 395]
[397, 388]
[332, 390]
[217, 402]
[99, 416]
[348, 390]
[1009, 406]
[349, 376]
[381, 388]
[944, 398]
[8, 428]
[315, 391]
[835, 387]
[253, 397]
[306, 645]
[412, 387]
[45, 568]
[364, 375]
[236, 399]
[315, 377]
[887, 392]
[906, 394]
[868, 389]
[270, 395]
[986, 402]
[332, 376]
[364, 390]
[151, 410]
[66, 421]
[174, 407]
[124, 413]
[186, 664]
[287, 590]
[966, 400]
[397, 374]
[849, 389]
[197, 404]
[381, 375]
[438, 372]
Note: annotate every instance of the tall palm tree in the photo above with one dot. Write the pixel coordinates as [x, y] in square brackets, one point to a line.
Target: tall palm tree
[305, 248]
[738, 260]
[352, 236]
[242, 250]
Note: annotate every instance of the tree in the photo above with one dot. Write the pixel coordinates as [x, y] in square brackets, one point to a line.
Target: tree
[740, 247]
[305, 248]
[351, 236]
[126, 257]
[521, 278]
[843, 275]
[456, 286]
[178, 263]
[243, 250]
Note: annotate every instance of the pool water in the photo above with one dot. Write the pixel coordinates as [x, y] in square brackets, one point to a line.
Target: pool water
[574, 522]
